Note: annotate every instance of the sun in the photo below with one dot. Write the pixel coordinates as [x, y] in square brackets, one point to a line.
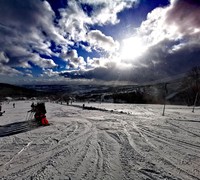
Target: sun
[132, 48]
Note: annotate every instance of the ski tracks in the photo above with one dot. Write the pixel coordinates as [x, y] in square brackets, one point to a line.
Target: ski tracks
[96, 145]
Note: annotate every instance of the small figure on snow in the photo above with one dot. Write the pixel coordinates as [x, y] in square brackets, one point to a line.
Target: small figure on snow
[1, 113]
[13, 105]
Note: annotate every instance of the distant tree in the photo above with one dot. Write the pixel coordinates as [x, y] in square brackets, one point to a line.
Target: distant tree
[129, 97]
[192, 86]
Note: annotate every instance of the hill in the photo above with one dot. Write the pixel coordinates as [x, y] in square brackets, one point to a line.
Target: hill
[8, 90]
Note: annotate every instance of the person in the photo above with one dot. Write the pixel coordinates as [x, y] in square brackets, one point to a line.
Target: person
[0, 107]
[33, 107]
[40, 112]
[13, 105]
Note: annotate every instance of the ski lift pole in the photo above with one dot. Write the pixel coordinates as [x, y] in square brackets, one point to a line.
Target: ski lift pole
[27, 115]
[166, 92]
[195, 101]
[164, 109]
[31, 116]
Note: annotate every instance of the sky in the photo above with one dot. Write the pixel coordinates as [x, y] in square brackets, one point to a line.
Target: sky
[101, 41]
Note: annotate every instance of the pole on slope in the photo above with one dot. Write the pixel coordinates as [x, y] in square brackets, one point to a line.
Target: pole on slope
[166, 92]
[195, 101]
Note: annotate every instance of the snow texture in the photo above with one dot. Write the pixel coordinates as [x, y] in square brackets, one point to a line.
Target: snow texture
[113, 142]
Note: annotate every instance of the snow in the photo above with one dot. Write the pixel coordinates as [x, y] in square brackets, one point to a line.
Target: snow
[127, 141]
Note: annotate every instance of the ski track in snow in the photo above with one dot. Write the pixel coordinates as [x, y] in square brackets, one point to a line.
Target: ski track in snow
[126, 142]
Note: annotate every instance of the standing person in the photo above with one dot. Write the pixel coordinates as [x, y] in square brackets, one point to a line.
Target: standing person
[0, 107]
[13, 105]
[33, 107]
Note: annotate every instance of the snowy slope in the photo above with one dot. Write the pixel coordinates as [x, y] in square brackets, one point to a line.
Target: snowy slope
[132, 142]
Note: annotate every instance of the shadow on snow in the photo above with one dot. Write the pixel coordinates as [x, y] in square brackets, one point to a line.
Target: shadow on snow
[18, 127]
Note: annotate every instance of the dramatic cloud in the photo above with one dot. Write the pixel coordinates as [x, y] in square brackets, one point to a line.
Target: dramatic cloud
[172, 48]
[169, 38]
[37, 37]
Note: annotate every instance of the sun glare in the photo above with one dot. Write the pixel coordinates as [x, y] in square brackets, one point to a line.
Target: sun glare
[132, 48]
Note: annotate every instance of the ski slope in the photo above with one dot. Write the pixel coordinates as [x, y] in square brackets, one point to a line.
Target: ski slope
[125, 142]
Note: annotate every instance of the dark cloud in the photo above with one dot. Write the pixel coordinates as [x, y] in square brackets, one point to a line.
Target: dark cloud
[24, 13]
[186, 15]
[99, 73]
[161, 62]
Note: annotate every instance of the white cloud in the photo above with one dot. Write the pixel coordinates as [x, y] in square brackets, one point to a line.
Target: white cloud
[97, 62]
[50, 73]
[111, 61]
[74, 22]
[98, 40]
[74, 61]
[106, 10]
[28, 75]
[3, 58]
[41, 62]
[154, 30]
[8, 71]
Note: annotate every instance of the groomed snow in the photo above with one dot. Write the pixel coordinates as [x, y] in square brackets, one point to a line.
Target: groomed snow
[126, 142]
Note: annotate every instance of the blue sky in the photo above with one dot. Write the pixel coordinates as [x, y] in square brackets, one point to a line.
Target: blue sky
[102, 41]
